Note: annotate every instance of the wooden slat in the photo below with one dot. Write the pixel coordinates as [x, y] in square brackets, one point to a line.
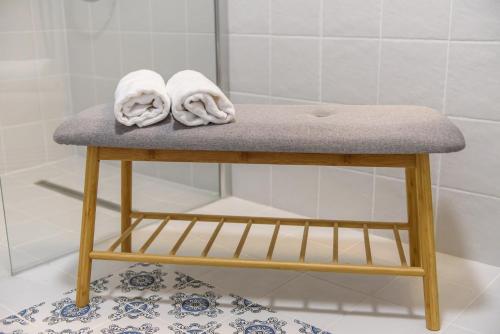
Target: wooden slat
[243, 239]
[367, 245]
[183, 236]
[153, 236]
[336, 243]
[264, 264]
[272, 220]
[401, 251]
[278, 158]
[273, 241]
[303, 247]
[125, 234]
[212, 238]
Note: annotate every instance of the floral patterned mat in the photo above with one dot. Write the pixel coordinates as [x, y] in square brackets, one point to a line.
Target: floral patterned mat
[147, 299]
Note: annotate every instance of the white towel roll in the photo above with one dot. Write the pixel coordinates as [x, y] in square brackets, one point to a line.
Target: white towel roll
[141, 99]
[198, 101]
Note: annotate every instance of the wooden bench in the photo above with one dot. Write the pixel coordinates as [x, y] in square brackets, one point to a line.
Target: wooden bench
[368, 136]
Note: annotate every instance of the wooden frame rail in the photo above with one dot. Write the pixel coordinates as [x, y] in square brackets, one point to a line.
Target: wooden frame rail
[421, 256]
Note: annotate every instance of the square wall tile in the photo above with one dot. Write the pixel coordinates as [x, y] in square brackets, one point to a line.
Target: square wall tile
[413, 72]
[478, 165]
[24, 146]
[473, 81]
[48, 14]
[350, 69]
[468, 226]
[80, 52]
[400, 172]
[169, 54]
[295, 17]
[476, 20]
[180, 172]
[77, 15]
[19, 101]
[345, 194]
[15, 15]
[295, 68]
[390, 200]
[107, 55]
[356, 18]
[105, 90]
[206, 176]
[136, 52]
[242, 98]
[17, 55]
[82, 93]
[200, 15]
[252, 182]
[249, 64]
[54, 150]
[104, 15]
[135, 15]
[169, 15]
[51, 51]
[248, 17]
[295, 188]
[55, 97]
[201, 56]
[416, 19]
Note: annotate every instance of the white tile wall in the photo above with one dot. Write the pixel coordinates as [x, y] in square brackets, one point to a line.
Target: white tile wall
[34, 86]
[439, 53]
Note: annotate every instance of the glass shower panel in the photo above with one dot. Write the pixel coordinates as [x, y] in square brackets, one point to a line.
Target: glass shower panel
[61, 57]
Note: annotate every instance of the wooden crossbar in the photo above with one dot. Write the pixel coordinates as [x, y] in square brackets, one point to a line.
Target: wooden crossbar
[303, 246]
[273, 241]
[183, 236]
[228, 262]
[336, 243]
[153, 236]
[367, 245]
[243, 239]
[125, 234]
[401, 251]
[271, 220]
[212, 238]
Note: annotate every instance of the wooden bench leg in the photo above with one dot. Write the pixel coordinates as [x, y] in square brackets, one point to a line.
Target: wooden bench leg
[88, 224]
[411, 205]
[126, 203]
[426, 237]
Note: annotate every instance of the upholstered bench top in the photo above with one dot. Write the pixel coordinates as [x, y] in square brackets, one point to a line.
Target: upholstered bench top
[270, 128]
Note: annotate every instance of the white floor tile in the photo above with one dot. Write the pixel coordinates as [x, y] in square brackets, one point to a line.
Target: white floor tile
[408, 291]
[313, 300]
[482, 314]
[376, 316]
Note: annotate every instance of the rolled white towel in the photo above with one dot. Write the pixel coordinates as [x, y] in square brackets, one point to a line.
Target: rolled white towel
[141, 98]
[198, 101]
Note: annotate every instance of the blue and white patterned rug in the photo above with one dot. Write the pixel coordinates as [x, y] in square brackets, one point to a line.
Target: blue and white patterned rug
[147, 299]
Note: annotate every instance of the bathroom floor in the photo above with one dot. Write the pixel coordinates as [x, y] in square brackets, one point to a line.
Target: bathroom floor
[303, 302]
[49, 198]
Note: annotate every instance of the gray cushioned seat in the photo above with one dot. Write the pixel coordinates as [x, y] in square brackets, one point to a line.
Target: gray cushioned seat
[271, 128]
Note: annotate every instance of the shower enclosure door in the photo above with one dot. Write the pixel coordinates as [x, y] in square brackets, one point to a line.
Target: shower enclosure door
[60, 57]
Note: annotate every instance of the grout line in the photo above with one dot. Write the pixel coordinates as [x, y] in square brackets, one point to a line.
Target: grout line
[120, 37]
[92, 51]
[320, 52]
[150, 6]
